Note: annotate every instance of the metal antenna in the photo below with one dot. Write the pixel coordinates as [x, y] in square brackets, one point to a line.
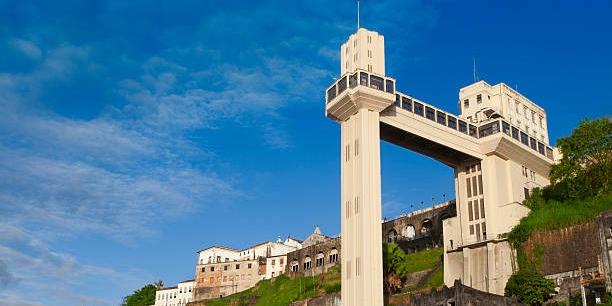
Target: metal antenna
[357, 15]
[474, 68]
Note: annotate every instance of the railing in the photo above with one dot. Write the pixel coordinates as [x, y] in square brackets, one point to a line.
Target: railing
[410, 104]
[361, 78]
[486, 129]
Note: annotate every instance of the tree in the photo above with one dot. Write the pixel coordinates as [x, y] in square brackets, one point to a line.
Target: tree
[159, 284]
[144, 296]
[586, 165]
[395, 266]
[529, 287]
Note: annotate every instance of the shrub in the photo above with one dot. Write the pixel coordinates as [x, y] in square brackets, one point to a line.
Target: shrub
[529, 287]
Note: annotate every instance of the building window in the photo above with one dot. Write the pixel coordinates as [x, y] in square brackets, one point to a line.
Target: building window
[273, 262]
[225, 267]
[333, 255]
[307, 263]
[430, 113]
[466, 103]
[249, 265]
[526, 191]
[237, 266]
[418, 108]
[478, 99]
[212, 269]
[320, 260]
[282, 261]
[203, 269]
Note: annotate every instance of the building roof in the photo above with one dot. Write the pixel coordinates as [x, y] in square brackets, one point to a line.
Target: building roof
[218, 247]
[186, 281]
[168, 288]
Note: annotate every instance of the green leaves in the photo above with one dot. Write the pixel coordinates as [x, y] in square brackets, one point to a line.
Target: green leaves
[586, 165]
[529, 287]
[144, 296]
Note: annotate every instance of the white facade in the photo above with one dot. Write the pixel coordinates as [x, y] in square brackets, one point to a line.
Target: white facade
[275, 266]
[363, 50]
[497, 146]
[476, 99]
[217, 255]
[178, 295]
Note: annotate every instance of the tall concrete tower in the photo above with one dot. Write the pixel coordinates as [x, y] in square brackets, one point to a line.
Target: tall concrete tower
[357, 110]
[497, 147]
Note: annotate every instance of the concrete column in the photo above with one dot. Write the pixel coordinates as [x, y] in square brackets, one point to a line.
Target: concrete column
[362, 275]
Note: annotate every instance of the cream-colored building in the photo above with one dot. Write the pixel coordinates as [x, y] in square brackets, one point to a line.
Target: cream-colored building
[178, 295]
[498, 155]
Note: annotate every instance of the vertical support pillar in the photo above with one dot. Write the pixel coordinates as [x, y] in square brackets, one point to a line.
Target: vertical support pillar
[362, 275]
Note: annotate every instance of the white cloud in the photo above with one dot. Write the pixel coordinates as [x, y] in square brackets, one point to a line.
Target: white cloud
[28, 48]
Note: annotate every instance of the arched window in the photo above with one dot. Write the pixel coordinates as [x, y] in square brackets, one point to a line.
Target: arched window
[408, 232]
[295, 265]
[320, 259]
[426, 226]
[307, 263]
[333, 255]
[391, 236]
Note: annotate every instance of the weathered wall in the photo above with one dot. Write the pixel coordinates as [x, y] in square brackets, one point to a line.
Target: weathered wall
[427, 225]
[564, 250]
[300, 255]
[458, 295]
[325, 300]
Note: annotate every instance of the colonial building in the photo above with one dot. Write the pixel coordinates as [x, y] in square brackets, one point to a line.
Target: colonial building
[178, 295]
[221, 271]
[320, 252]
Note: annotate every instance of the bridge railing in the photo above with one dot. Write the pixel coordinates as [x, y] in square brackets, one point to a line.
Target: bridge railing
[359, 78]
[420, 108]
[477, 131]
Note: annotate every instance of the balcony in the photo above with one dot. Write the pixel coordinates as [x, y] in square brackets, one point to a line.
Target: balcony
[357, 90]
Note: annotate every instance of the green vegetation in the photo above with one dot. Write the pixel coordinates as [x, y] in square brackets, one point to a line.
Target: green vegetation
[530, 287]
[144, 296]
[579, 191]
[398, 265]
[283, 290]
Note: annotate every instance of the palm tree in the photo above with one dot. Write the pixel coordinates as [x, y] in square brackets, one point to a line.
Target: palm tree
[159, 284]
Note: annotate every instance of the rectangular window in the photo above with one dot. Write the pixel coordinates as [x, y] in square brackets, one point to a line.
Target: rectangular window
[484, 230]
[472, 229]
[462, 126]
[452, 122]
[353, 80]
[472, 131]
[441, 117]
[467, 185]
[482, 210]
[363, 79]
[526, 191]
[470, 211]
[418, 108]
[478, 231]
[377, 82]
[389, 86]
[237, 266]
[478, 99]
[430, 113]
[506, 128]
[533, 144]
[203, 269]
[466, 103]
[249, 266]
[476, 213]
[225, 267]
[515, 133]
[541, 148]
[407, 104]
[524, 139]
[342, 85]
[474, 187]
[489, 129]
[331, 93]
[397, 100]
[212, 269]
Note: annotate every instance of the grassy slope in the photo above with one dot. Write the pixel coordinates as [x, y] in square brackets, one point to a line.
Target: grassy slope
[554, 215]
[423, 260]
[284, 290]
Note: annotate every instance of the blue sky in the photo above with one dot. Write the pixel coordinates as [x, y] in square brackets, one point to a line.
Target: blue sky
[134, 133]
